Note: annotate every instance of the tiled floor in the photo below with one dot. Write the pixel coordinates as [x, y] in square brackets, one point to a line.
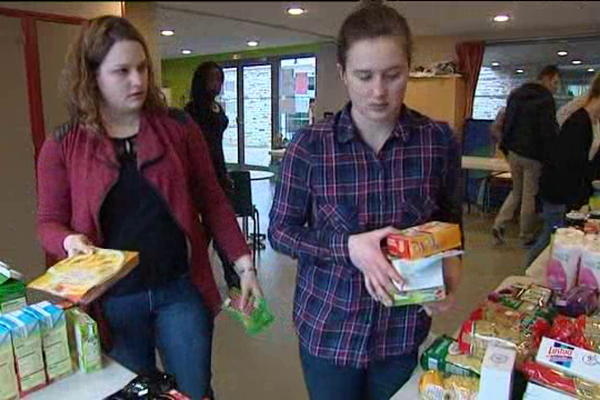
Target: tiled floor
[268, 368]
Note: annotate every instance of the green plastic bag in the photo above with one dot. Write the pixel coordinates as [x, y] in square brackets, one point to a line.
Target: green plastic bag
[255, 318]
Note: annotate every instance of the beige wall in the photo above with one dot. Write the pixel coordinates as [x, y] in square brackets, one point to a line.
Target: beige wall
[143, 15]
[74, 9]
[430, 49]
[331, 92]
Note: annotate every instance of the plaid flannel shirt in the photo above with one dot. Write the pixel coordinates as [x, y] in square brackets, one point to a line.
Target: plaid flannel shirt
[334, 185]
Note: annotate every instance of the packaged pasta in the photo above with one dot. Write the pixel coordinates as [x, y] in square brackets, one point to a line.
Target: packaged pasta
[437, 386]
[444, 355]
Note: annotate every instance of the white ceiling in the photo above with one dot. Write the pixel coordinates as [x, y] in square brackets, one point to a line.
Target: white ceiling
[210, 27]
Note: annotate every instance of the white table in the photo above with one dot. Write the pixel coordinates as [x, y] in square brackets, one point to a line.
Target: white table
[81, 386]
[411, 389]
[537, 269]
[485, 163]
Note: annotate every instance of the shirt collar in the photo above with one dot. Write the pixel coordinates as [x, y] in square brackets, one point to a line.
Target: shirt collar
[345, 129]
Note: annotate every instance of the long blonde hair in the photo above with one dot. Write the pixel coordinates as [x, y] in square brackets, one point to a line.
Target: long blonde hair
[78, 85]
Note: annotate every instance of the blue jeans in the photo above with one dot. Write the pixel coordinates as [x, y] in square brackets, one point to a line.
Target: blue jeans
[326, 381]
[553, 216]
[172, 318]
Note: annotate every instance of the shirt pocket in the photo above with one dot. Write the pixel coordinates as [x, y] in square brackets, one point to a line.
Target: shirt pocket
[337, 217]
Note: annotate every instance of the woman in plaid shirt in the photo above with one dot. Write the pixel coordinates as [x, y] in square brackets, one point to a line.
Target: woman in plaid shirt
[347, 183]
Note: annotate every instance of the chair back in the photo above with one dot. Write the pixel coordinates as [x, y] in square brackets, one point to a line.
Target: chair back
[241, 195]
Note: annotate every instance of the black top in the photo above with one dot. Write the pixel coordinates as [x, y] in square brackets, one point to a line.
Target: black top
[530, 121]
[567, 175]
[135, 217]
[213, 124]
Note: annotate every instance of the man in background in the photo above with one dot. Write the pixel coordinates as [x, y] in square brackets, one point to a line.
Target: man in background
[529, 125]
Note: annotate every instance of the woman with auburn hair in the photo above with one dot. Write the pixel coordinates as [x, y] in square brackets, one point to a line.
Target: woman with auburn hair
[574, 162]
[127, 173]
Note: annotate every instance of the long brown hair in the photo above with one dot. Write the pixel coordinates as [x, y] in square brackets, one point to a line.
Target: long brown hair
[78, 85]
[594, 90]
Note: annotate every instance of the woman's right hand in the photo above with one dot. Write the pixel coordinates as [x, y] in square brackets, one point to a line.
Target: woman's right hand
[366, 255]
[77, 244]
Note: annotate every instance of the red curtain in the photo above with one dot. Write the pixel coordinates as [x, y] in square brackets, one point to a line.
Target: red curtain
[470, 58]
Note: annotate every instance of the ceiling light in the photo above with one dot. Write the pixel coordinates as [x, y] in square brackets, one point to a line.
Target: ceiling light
[495, 64]
[519, 71]
[562, 53]
[252, 43]
[590, 70]
[186, 51]
[167, 32]
[576, 62]
[501, 18]
[296, 11]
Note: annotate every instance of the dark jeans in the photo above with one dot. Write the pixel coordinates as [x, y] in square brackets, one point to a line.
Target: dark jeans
[554, 216]
[172, 318]
[380, 381]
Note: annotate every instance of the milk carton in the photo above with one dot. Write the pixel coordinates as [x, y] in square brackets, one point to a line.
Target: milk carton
[55, 342]
[27, 347]
[497, 373]
[84, 339]
[9, 386]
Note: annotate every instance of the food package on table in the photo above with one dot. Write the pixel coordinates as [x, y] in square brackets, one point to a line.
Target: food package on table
[496, 324]
[560, 381]
[589, 270]
[256, 317]
[434, 385]
[572, 331]
[569, 359]
[444, 355]
[12, 290]
[579, 300]
[563, 266]
[591, 330]
[9, 385]
[424, 240]
[84, 341]
[520, 296]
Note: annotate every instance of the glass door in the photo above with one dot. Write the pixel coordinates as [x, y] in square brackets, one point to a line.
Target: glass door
[257, 116]
[229, 101]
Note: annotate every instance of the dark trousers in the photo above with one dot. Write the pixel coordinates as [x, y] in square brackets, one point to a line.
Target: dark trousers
[380, 381]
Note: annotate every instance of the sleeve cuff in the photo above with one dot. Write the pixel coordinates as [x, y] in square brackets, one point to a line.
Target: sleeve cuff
[339, 248]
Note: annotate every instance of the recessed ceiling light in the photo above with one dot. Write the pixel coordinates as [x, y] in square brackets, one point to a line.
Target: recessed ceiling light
[167, 32]
[519, 71]
[186, 51]
[495, 64]
[576, 62]
[501, 18]
[562, 53]
[591, 70]
[296, 11]
[252, 43]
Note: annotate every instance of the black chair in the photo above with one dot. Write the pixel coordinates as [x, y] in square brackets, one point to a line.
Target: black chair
[241, 199]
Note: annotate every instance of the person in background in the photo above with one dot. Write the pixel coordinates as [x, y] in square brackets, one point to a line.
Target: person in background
[128, 173]
[529, 125]
[573, 163]
[209, 115]
[346, 183]
[311, 111]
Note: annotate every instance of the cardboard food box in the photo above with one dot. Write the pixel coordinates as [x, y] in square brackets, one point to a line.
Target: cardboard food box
[496, 379]
[534, 391]
[444, 355]
[569, 359]
[9, 386]
[82, 279]
[424, 240]
[424, 281]
[55, 342]
[12, 290]
[27, 347]
[84, 341]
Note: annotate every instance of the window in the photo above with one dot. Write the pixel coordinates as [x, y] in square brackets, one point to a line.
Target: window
[297, 81]
[496, 82]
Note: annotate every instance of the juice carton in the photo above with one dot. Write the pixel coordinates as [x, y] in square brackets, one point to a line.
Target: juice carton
[84, 340]
[27, 347]
[12, 290]
[55, 342]
[9, 386]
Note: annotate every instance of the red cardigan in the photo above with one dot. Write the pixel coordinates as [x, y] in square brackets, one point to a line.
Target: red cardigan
[76, 170]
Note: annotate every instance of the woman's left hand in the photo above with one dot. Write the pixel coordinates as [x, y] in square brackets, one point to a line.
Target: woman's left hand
[248, 280]
[250, 287]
